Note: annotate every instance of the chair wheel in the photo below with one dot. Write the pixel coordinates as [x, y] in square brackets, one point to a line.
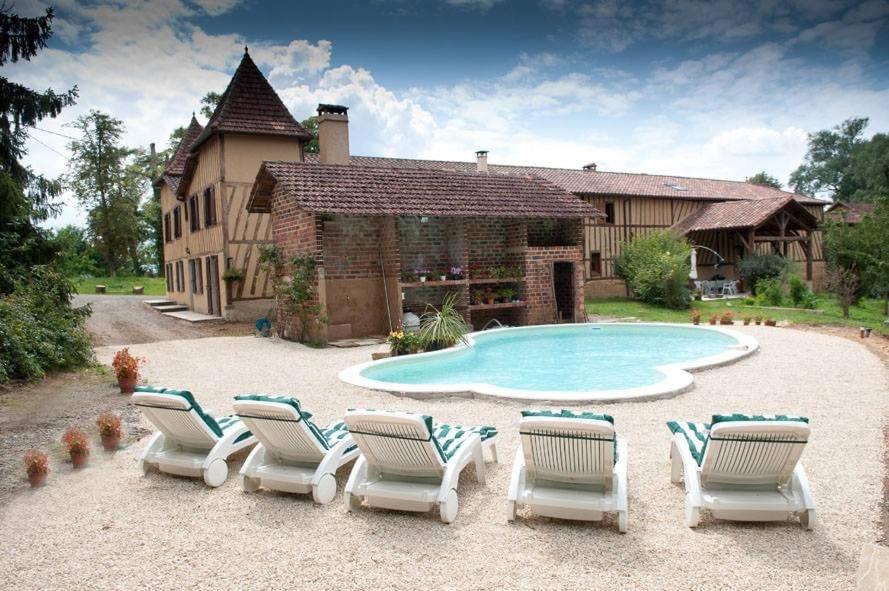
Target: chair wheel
[216, 473]
[449, 507]
[325, 490]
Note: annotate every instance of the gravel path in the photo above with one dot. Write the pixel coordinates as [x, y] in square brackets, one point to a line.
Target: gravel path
[125, 320]
[107, 527]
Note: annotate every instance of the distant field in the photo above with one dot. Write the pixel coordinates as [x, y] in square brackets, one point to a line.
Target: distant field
[868, 313]
[154, 286]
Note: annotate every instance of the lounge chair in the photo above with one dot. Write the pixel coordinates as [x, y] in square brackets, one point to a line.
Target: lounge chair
[293, 454]
[570, 466]
[743, 468]
[189, 441]
[408, 465]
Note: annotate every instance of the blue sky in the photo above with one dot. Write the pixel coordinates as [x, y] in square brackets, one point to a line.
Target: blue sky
[716, 89]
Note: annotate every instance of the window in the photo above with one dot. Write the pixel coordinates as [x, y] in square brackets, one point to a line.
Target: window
[609, 213]
[209, 207]
[194, 221]
[199, 273]
[168, 234]
[177, 222]
[595, 263]
[194, 282]
[195, 272]
[169, 273]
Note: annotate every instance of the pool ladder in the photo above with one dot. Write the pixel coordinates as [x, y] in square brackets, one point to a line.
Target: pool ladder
[493, 321]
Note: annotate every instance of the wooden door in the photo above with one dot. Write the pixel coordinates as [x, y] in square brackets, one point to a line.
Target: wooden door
[213, 304]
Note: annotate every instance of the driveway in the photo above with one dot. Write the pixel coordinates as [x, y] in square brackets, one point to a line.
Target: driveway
[125, 320]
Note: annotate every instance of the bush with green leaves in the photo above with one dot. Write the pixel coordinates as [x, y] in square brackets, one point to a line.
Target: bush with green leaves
[39, 330]
[800, 294]
[770, 291]
[442, 327]
[656, 268]
[755, 267]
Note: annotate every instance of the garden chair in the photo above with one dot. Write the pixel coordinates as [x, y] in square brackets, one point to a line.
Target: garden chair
[743, 468]
[189, 441]
[293, 454]
[407, 464]
[571, 465]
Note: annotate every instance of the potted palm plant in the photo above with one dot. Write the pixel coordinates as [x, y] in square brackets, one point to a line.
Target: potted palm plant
[126, 369]
[37, 467]
[443, 327]
[108, 425]
[78, 446]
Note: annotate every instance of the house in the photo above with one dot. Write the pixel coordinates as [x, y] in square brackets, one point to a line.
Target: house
[848, 212]
[249, 164]
[203, 193]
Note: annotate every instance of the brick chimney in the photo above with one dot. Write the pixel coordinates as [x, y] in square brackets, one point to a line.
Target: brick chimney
[481, 158]
[333, 134]
[591, 167]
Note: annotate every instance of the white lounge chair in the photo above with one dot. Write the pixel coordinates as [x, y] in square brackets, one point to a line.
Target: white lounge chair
[293, 454]
[189, 442]
[408, 465]
[570, 466]
[743, 468]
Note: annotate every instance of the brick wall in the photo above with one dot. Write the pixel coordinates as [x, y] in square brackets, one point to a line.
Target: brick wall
[352, 247]
[436, 244]
[555, 233]
[541, 304]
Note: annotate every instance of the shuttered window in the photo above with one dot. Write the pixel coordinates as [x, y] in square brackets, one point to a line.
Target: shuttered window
[168, 271]
[609, 213]
[194, 220]
[209, 207]
[168, 231]
[595, 263]
[177, 222]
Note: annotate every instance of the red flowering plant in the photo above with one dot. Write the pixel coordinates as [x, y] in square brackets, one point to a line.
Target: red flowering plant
[36, 463]
[126, 366]
[108, 424]
[76, 442]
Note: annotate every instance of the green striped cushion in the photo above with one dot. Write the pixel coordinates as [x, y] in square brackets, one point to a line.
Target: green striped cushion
[695, 433]
[568, 414]
[189, 398]
[732, 417]
[336, 432]
[295, 404]
[449, 438]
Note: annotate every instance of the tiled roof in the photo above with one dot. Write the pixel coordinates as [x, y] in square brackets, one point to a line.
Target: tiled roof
[729, 215]
[605, 183]
[851, 213]
[354, 189]
[176, 164]
[251, 105]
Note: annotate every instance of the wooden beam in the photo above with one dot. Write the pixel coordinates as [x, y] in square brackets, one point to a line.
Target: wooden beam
[779, 238]
[747, 245]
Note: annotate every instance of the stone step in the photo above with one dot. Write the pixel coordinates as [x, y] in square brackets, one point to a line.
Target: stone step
[190, 316]
[171, 308]
[158, 302]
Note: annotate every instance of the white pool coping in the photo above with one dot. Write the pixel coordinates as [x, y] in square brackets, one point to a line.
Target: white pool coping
[677, 376]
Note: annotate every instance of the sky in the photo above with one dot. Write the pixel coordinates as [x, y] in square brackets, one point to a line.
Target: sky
[714, 89]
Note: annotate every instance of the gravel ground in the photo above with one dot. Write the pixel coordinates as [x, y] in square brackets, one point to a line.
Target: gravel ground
[107, 527]
[125, 320]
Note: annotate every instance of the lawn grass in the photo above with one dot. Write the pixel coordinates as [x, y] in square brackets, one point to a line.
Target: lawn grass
[868, 313]
[154, 286]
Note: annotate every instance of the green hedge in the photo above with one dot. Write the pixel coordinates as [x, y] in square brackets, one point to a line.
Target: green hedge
[39, 330]
[656, 268]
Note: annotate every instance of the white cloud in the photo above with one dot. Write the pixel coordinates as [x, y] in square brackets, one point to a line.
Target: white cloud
[296, 58]
[217, 7]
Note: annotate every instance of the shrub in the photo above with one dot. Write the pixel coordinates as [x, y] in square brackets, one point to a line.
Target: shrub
[656, 268]
[756, 267]
[770, 291]
[39, 330]
[445, 327]
[403, 343]
[108, 425]
[36, 462]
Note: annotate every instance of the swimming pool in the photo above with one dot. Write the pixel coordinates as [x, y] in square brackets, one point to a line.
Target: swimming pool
[575, 362]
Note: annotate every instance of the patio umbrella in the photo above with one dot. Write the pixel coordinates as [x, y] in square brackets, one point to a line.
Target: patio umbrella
[693, 273]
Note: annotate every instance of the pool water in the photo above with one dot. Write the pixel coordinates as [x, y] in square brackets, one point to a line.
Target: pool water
[579, 357]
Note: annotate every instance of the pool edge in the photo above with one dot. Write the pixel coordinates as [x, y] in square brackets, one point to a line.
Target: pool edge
[678, 377]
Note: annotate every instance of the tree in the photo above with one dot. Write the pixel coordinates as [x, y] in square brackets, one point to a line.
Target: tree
[110, 189]
[827, 161]
[149, 165]
[26, 198]
[764, 178]
[76, 256]
[869, 170]
[311, 125]
[209, 103]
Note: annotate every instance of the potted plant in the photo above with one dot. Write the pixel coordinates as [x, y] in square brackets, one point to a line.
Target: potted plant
[490, 296]
[408, 277]
[506, 294]
[456, 273]
[445, 327]
[757, 320]
[770, 322]
[233, 275]
[478, 296]
[78, 446]
[126, 369]
[727, 319]
[713, 319]
[37, 467]
[422, 273]
[695, 317]
[443, 276]
[108, 424]
[746, 320]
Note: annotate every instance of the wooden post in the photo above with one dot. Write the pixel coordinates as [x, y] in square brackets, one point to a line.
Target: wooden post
[808, 249]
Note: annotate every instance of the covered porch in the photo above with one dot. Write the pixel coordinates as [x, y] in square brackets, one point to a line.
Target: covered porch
[724, 233]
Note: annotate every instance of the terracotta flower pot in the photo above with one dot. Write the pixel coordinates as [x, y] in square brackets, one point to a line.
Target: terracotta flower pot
[111, 443]
[127, 385]
[696, 321]
[37, 480]
[80, 460]
[491, 301]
